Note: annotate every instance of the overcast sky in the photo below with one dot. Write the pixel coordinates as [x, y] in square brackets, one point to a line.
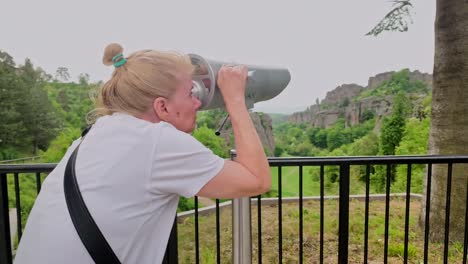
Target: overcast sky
[322, 43]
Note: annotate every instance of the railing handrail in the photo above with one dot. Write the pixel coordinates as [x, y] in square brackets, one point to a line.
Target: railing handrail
[344, 163]
[27, 167]
[289, 161]
[361, 160]
[19, 159]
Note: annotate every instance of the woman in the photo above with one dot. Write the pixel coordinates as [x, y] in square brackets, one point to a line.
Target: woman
[139, 157]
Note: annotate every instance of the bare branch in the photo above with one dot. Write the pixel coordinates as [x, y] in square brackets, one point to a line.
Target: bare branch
[396, 20]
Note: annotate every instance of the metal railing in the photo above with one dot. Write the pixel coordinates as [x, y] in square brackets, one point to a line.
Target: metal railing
[345, 165]
[20, 160]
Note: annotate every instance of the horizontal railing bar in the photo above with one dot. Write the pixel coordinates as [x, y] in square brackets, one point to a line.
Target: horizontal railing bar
[286, 161]
[20, 159]
[363, 160]
[298, 162]
[24, 168]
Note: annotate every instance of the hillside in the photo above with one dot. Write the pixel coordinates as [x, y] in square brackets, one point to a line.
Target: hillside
[354, 102]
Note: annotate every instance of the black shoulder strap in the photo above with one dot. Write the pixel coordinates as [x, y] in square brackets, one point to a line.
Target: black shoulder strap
[87, 229]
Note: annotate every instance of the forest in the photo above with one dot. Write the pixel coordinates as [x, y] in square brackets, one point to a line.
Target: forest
[42, 114]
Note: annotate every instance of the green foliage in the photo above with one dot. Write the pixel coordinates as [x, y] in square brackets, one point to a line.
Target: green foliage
[278, 151]
[414, 142]
[318, 137]
[398, 135]
[185, 204]
[72, 101]
[367, 115]
[367, 145]
[292, 139]
[38, 113]
[8, 153]
[393, 127]
[211, 118]
[28, 193]
[208, 138]
[400, 82]
[391, 135]
[270, 193]
[300, 140]
[415, 137]
[28, 117]
[344, 103]
[12, 128]
[398, 250]
[59, 145]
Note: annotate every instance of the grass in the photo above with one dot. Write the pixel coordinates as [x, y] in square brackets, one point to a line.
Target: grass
[311, 180]
[290, 230]
[311, 234]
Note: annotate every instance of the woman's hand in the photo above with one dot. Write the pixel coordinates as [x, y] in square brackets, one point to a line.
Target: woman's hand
[232, 82]
[249, 174]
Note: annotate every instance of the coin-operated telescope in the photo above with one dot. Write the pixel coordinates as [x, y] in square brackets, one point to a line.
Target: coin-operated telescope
[263, 83]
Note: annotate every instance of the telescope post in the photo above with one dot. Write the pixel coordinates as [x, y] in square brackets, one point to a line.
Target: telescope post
[241, 228]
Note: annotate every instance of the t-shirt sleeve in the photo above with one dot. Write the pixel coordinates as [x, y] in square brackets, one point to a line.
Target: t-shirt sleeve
[181, 164]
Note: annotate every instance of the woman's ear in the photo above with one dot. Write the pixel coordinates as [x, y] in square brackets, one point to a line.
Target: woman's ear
[160, 108]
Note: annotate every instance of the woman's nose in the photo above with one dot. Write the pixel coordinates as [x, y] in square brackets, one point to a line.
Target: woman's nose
[197, 103]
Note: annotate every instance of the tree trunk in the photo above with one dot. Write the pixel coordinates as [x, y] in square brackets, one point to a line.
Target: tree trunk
[449, 120]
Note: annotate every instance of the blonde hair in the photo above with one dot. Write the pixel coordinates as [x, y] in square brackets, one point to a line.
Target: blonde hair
[146, 75]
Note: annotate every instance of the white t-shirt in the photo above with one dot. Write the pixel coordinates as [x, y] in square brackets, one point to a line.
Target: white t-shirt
[130, 173]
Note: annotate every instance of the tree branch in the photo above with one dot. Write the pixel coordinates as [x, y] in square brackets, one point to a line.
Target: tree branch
[396, 20]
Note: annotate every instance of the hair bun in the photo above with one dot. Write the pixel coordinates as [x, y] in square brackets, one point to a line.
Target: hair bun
[109, 53]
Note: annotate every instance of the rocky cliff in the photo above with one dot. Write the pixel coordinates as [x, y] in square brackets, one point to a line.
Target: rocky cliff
[341, 102]
[264, 126]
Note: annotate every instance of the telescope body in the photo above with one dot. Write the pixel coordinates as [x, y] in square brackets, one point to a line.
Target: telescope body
[263, 83]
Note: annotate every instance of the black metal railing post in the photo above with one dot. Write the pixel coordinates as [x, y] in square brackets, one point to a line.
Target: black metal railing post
[172, 254]
[366, 214]
[387, 211]
[322, 210]
[18, 206]
[5, 240]
[344, 164]
[343, 214]
[197, 232]
[447, 212]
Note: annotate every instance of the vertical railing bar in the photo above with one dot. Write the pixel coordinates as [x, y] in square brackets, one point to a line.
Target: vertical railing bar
[322, 205]
[366, 215]
[5, 240]
[301, 218]
[428, 208]
[38, 182]
[218, 234]
[465, 246]
[447, 212]
[197, 243]
[407, 212]
[387, 211]
[172, 252]
[18, 206]
[343, 223]
[259, 223]
[280, 214]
